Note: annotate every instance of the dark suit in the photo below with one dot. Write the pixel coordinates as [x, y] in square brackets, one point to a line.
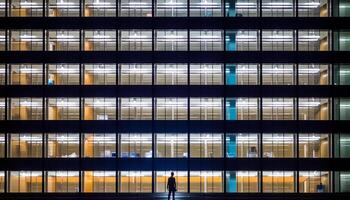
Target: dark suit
[171, 187]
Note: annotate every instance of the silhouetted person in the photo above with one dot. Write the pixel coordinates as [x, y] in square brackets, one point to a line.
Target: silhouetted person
[171, 186]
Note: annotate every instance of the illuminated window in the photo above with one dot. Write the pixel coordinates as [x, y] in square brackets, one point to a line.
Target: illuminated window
[242, 145]
[2, 181]
[314, 74]
[242, 40]
[278, 74]
[63, 109]
[242, 74]
[272, 8]
[278, 108]
[63, 40]
[25, 181]
[314, 109]
[170, 40]
[278, 40]
[171, 145]
[135, 108]
[63, 8]
[206, 8]
[278, 145]
[25, 74]
[62, 181]
[206, 181]
[25, 145]
[171, 108]
[135, 8]
[278, 181]
[2, 71]
[135, 145]
[313, 40]
[99, 109]
[206, 108]
[135, 74]
[99, 181]
[171, 8]
[314, 182]
[242, 109]
[62, 74]
[206, 40]
[314, 145]
[242, 8]
[2, 37]
[171, 74]
[206, 145]
[62, 145]
[26, 40]
[25, 109]
[206, 74]
[313, 8]
[100, 74]
[135, 181]
[242, 181]
[135, 40]
[2, 108]
[99, 145]
[26, 8]
[162, 180]
[100, 8]
[2, 146]
[100, 40]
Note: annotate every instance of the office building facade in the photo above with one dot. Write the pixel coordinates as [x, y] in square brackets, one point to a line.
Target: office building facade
[241, 99]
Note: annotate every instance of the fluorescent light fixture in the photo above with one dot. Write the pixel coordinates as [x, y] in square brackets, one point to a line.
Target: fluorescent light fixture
[63, 173]
[245, 5]
[30, 103]
[30, 38]
[66, 103]
[309, 5]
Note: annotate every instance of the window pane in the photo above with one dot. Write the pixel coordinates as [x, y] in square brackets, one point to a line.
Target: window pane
[206, 74]
[206, 109]
[62, 74]
[135, 40]
[99, 145]
[278, 145]
[100, 40]
[135, 145]
[171, 74]
[206, 40]
[99, 108]
[278, 181]
[278, 108]
[171, 145]
[68, 8]
[206, 145]
[135, 108]
[100, 8]
[206, 181]
[173, 8]
[25, 145]
[314, 74]
[135, 8]
[314, 109]
[25, 74]
[62, 181]
[135, 181]
[26, 40]
[63, 40]
[62, 145]
[242, 74]
[206, 8]
[242, 181]
[171, 108]
[313, 8]
[278, 74]
[313, 181]
[242, 145]
[277, 40]
[63, 109]
[99, 181]
[135, 74]
[242, 109]
[25, 181]
[26, 8]
[314, 145]
[25, 109]
[100, 74]
[162, 180]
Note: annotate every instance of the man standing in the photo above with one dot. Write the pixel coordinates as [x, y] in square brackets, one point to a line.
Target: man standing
[171, 186]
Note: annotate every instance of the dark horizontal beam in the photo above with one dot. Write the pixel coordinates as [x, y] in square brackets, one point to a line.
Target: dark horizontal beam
[177, 126]
[175, 23]
[183, 91]
[174, 57]
[179, 164]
